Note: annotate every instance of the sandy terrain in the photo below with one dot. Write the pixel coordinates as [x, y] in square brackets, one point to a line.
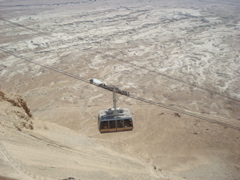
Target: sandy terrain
[184, 54]
[42, 152]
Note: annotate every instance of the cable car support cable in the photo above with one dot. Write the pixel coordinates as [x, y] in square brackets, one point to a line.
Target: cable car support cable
[122, 92]
[136, 66]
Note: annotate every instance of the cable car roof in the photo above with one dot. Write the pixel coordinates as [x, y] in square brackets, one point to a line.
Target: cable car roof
[106, 115]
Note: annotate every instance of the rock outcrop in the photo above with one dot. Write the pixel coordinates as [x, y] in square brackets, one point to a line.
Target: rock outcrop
[14, 112]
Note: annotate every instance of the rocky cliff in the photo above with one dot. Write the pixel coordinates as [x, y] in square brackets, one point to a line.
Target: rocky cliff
[14, 112]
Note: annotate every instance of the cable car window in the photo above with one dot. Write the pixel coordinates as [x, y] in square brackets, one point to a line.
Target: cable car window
[120, 124]
[128, 123]
[112, 124]
[104, 125]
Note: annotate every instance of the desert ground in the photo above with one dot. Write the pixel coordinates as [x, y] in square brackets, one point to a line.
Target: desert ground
[183, 56]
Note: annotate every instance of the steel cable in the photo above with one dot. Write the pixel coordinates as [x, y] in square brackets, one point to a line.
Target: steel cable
[140, 67]
[131, 96]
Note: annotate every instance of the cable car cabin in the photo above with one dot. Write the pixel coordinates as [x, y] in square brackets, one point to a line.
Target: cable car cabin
[113, 120]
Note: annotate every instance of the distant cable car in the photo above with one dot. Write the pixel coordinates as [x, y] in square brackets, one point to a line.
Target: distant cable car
[113, 119]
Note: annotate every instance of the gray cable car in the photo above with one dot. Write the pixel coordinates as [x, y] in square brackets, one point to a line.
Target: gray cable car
[113, 119]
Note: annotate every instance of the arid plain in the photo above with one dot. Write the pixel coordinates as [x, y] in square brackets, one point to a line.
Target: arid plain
[183, 55]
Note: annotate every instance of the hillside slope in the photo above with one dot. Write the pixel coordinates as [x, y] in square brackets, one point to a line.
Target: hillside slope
[178, 148]
[182, 54]
[48, 151]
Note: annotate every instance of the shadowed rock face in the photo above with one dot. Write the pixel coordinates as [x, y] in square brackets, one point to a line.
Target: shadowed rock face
[17, 101]
[15, 112]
